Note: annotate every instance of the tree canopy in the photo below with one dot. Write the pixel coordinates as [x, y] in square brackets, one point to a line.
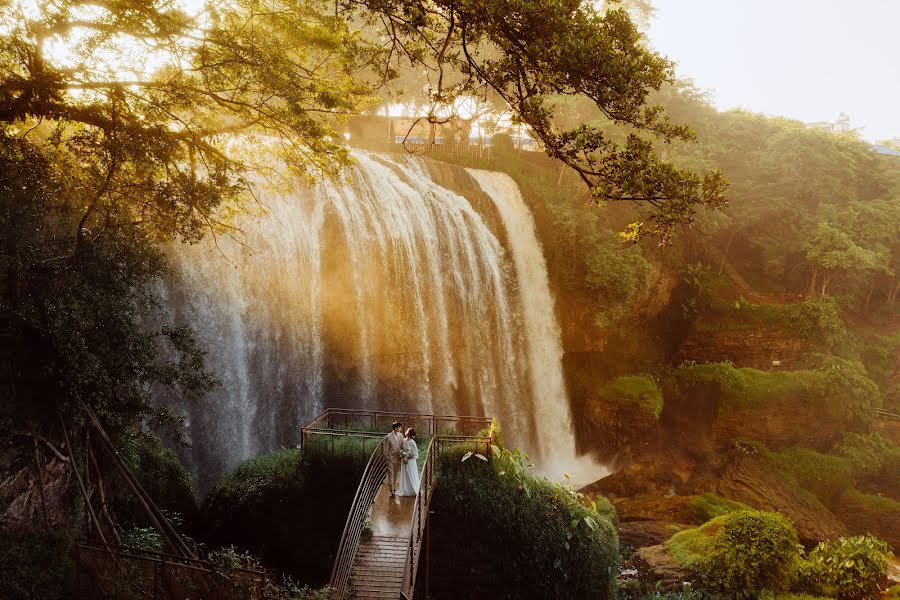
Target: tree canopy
[158, 94]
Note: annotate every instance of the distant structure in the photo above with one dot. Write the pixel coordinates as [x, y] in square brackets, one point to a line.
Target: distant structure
[841, 125]
[889, 147]
[880, 148]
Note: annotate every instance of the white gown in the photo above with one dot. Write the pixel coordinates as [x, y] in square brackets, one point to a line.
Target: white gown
[409, 470]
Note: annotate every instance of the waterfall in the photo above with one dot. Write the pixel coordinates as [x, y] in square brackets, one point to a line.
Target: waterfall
[388, 291]
[550, 405]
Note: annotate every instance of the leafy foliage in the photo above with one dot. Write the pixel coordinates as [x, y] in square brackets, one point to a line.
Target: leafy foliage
[38, 566]
[160, 472]
[741, 553]
[852, 568]
[824, 475]
[269, 503]
[840, 386]
[226, 560]
[82, 308]
[707, 506]
[536, 538]
[870, 455]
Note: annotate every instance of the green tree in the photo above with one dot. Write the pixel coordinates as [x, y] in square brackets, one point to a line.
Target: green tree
[831, 251]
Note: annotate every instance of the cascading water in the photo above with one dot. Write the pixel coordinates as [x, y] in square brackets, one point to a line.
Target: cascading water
[544, 348]
[389, 292]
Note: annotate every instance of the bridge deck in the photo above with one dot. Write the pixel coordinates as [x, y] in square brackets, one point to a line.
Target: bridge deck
[377, 570]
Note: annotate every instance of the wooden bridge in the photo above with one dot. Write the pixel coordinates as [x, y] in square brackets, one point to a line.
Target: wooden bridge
[383, 562]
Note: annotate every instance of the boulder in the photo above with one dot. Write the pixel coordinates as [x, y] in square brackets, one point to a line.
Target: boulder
[640, 534]
[663, 567]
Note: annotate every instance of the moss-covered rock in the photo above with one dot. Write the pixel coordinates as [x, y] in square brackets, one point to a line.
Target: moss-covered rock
[623, 411]
[776, 406]
[740, 553]
[708, 506]
[824, 475]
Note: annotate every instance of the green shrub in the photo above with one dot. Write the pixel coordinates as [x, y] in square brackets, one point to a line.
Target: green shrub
[37, 567]
[160, 472]
[709, 506]
[824, 475]
[741, 553]
[893, 593]
[289, 507]
[226, 560]
[869, 454]
[850, 568]
[522, 536]
[880, 355]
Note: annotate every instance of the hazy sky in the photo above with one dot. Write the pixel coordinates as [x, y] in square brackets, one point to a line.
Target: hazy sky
[804, 59]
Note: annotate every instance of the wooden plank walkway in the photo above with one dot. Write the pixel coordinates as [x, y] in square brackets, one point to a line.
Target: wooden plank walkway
[377, 570]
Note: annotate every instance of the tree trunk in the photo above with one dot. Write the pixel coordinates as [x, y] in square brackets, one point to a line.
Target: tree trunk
[825, 282]
[869, 297]
[725, 253]
[812, 282]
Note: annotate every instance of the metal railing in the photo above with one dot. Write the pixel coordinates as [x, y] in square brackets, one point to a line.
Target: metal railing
[132, 573]
[880, 412]
[419, 520]
[427, 484]
[372, 478]
[376, 424]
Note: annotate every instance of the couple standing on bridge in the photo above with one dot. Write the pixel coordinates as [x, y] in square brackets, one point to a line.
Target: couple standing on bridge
[402, 453]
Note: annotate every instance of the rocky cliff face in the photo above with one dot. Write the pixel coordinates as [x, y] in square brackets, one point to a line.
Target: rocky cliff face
[759, 348]
[30, 501]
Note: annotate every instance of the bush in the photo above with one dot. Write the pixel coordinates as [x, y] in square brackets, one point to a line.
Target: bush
[289, 507]
[709, 506]
[741, 553]
[38, 567]
[161, 473]
[870, 455]
[523, 536]
[850, 568]
[824, 475]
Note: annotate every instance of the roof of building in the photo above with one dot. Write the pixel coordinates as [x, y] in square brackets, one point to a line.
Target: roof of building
[886, 150]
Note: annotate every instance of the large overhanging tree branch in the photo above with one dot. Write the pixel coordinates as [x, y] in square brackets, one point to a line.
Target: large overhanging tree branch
[160, 136]
[529, 53]
[149, 99]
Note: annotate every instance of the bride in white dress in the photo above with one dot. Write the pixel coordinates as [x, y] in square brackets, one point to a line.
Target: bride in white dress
[409, 470]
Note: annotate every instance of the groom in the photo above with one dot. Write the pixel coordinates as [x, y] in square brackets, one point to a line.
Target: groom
[392, 446]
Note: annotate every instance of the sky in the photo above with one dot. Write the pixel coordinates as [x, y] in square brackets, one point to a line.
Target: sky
[803, 59]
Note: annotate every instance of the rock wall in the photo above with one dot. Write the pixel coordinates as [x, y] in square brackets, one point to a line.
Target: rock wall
[765, 348]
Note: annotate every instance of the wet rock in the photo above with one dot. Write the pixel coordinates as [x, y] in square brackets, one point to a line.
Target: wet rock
[640, 534]
[663, 567]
